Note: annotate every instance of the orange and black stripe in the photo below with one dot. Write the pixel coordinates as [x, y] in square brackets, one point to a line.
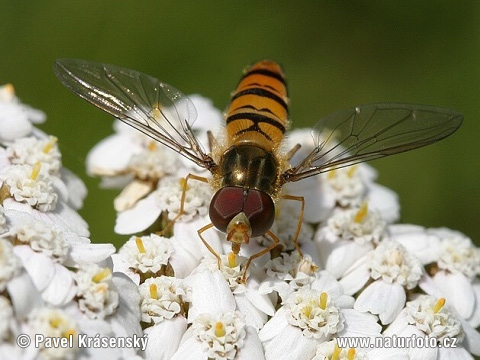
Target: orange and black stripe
[258, 110]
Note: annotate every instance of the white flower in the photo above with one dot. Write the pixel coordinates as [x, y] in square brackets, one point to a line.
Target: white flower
[427, 315]
[144, 256]
[311, 316]
[31, 150]
[54, 323]
[221, 337]
[287, 273]
[394, 270]
[97, 294]
[162, 298]
[42, 238]
[31, 185]
[213, 303]
[10, 264]
[255, 305]
[16, 118]
[454, 275]
[6, 318]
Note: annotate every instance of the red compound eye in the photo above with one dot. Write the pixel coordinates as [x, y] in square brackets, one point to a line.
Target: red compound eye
[230, 201]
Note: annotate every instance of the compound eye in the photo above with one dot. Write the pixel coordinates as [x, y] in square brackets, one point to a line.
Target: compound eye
[260, 211]
[226, 203]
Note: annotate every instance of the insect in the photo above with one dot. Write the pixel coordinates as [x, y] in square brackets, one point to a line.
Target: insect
[250, 167]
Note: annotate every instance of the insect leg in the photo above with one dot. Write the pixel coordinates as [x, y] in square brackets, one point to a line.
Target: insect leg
[209, 247]
[212, 142]
[260, 253]
[182, 199]
[300, 219]
[292, 152]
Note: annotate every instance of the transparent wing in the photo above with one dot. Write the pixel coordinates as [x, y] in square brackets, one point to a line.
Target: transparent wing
[143, 102]
[370, 132]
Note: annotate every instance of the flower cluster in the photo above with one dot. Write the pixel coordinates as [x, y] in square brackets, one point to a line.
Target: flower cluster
[53, 281]
[354, 273]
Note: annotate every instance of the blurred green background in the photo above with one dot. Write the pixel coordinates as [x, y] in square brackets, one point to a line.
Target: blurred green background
[336, 54]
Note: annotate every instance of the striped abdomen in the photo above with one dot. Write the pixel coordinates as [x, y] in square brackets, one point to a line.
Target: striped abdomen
[258, 111]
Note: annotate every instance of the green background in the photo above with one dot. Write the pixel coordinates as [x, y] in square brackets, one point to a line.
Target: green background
[336, 54]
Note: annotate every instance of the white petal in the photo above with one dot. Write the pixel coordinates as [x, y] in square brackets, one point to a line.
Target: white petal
[61, 289]
[139, 217]
[13, 123]
[252, 348]
[317, 205]
[416, 240]
[354, 280]
[274, 326]
[387, 354]
[112, 155]
[457, 290]
[399, 325]
[191, 349]
[129, 300]
[76, 188]
[474, 320]
[89, 253]
[290, 344]
[210, 294]
[342, 255]
[472, 339]
[253, 316]
[360, 324]
[164, 338]
[384, 201]
[383, 299]
[23, 294]
[453, 354]
[39, 266]
[63, 217]
[261, 302]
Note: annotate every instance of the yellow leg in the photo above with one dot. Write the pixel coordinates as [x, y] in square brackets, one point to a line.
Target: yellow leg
[182, 199]
[260, 253]
[209, 247]
[300, 219]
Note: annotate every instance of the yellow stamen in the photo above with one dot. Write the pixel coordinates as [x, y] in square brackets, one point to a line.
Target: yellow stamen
[351, 354]
[351, 171]
[152, 146]
[9, 89]
[140, 247]
[36, 170]
[48, 147]
[55, 322]
[69, 332]
[439, 305]
[361, 213]
[219, 330]
[323, 300]
[153, 292]
[232, 260]
[331, 174]
[101, 275]
[307, 310]
[336, 352]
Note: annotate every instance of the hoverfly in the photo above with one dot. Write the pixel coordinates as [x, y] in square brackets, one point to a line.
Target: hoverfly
[249, 169]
